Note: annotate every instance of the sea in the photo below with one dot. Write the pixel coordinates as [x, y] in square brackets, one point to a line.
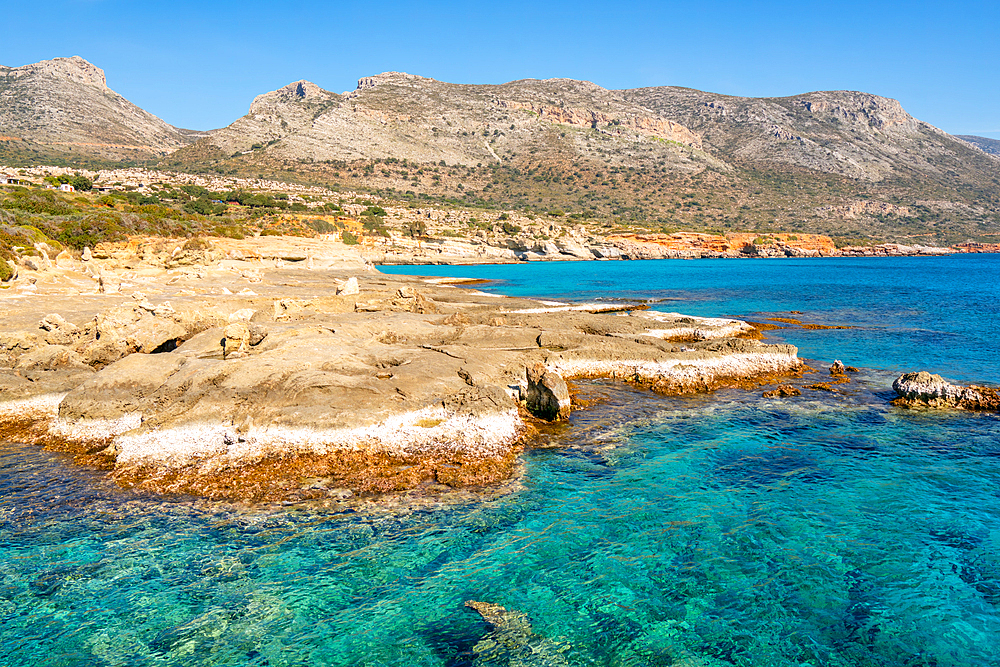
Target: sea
[709, 530]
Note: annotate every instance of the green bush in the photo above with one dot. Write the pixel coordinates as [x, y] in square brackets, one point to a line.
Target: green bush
[348, 238]
[37, 201]
[321, 226]
[230, 231]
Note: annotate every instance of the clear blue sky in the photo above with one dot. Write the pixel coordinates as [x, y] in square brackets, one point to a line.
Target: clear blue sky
[200, 64]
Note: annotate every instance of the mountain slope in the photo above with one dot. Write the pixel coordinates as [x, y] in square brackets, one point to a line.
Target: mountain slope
[991, 146]
[401, 116]
[853, 134]
[64, 107]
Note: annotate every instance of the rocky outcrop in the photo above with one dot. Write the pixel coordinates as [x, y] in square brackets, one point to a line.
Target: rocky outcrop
[784, 391]
[690, 245]
[647, 125]
[848, 133]
[926, 390]
[406, 384]
[547, 396]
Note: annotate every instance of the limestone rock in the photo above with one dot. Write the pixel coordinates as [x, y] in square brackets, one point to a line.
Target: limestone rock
[926, 390]
[837, 368]
[349, 287]
[137, 330]
[50, 358]
[58, 330]
[547, 396]
[86, 256]
[64, 259]
[512, 641]
[119, 388]
[241, 335]
[241, 315]
[109, 283]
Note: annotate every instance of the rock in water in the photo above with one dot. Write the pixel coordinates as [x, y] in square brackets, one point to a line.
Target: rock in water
[926, 390]
[784, 391]
[548, 395]
[511, 640]
[837, 368]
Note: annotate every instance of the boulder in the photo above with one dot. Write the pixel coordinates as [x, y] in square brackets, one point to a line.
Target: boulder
[348, 287]
[58, 330]
[547, 396]
[926, 390]
[837, 368]
[242, 335]
[64, 259]
[134, 329]
[86, 255]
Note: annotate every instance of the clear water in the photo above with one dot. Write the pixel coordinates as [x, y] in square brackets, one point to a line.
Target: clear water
[829, 529]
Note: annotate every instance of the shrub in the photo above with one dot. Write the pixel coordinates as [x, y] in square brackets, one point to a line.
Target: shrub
[230, 231]
[37, 201]
[348, 238]
[321, 226]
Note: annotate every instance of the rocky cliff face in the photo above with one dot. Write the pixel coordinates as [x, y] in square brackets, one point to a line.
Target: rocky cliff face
[65, 104]
[398, 115]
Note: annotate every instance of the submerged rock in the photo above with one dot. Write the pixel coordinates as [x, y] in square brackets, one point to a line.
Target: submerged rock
[512, 641]
[926, 390]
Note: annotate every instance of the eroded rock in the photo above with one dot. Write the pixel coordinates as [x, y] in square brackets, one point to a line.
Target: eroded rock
[784, 391]
[548, 396]
[926, 390]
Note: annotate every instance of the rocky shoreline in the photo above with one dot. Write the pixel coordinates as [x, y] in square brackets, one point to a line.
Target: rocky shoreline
[290, 369]
[497, 248]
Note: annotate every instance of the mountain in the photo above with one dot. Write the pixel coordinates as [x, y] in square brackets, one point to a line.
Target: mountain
[63, 108]
[849, 164]
[853, 134]
[991, 146]
[405, 117]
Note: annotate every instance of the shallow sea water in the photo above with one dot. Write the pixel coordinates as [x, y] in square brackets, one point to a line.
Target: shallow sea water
[827, 529]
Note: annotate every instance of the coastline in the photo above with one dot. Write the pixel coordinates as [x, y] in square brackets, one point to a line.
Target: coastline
[336, 379]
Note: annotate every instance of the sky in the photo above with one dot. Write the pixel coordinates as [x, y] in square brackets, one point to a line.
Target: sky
[198, 65]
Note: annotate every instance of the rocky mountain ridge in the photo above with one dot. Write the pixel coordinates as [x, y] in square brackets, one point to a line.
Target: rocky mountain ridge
[64, 105]
[402, 116]
[849, 164]
[985, 144]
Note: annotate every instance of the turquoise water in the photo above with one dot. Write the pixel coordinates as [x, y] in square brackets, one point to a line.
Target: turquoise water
[828, 529]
